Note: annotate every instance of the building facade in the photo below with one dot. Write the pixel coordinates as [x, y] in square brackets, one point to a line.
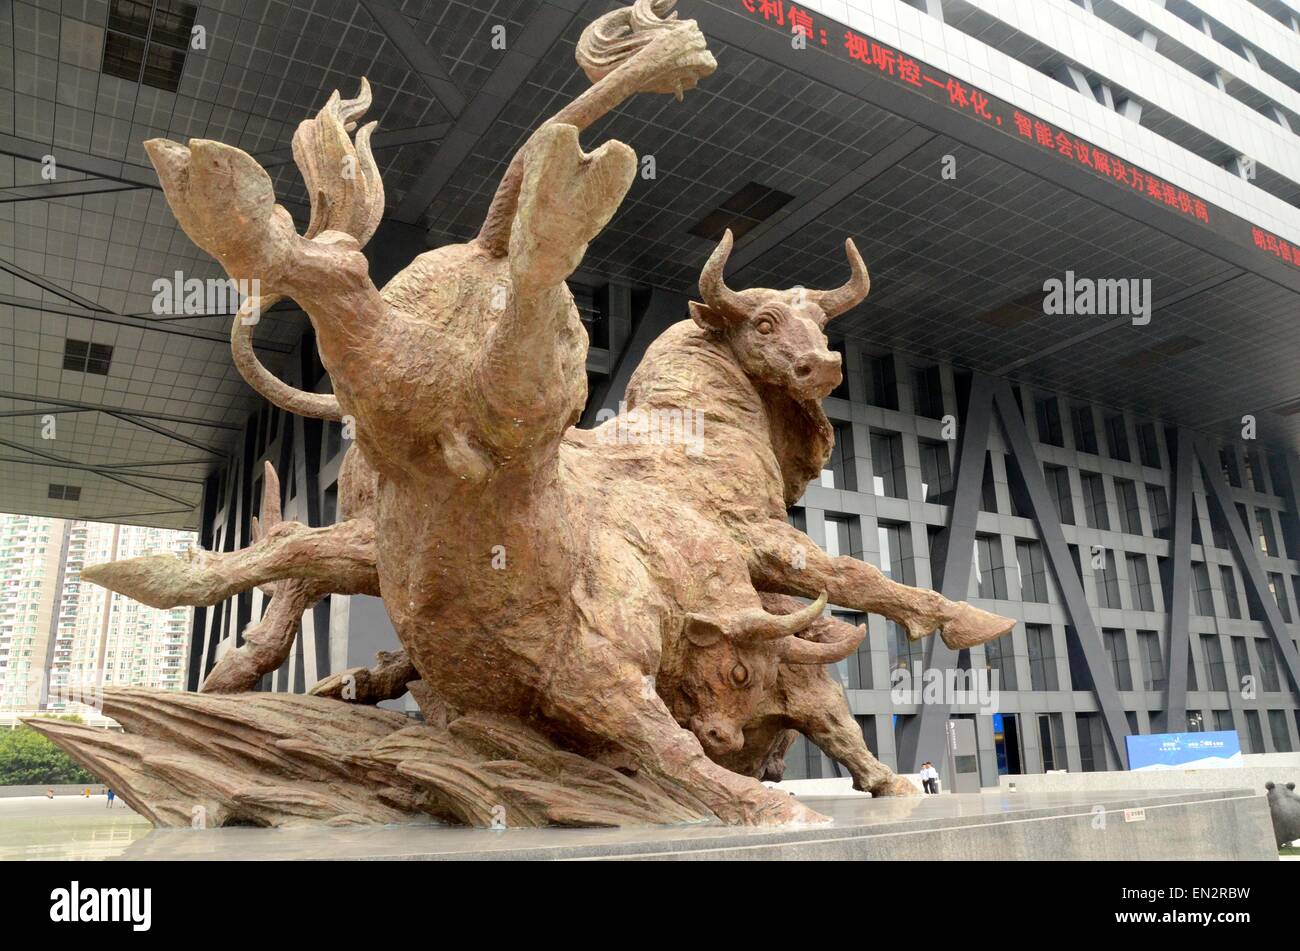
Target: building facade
[31, 557]
[61, 637]
[1123, 484]
[887, 496]
[1137, 593]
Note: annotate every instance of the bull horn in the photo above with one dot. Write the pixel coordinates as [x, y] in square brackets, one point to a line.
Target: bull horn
[796, 650]
[759, 625]
[851, 294]
[714, 289]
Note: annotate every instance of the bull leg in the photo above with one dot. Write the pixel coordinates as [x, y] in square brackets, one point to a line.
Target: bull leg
[268, 642]
[784, 559]
[225, 202]
[673, 62]
[774, 763]
[817, 707]
[386, 680]
[767, 740]
[531, 366]
[341, 557]
[552, 201]
[567, 196]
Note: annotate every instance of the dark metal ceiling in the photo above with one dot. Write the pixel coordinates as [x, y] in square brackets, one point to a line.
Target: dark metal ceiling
[78, 260]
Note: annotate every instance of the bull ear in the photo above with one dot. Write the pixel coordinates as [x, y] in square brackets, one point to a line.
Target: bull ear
[1268, 786]
[707, 317]
[701, 631]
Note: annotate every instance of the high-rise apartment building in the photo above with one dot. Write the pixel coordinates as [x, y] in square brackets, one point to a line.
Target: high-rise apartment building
[60, 637]
[31, 551]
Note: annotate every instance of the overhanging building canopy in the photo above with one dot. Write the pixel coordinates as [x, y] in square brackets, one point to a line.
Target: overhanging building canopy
[963, 202]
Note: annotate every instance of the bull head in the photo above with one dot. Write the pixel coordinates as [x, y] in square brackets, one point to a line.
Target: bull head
[731, 665]
[777, 336]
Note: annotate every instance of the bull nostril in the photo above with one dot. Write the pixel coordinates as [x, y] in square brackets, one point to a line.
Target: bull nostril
[803, 369]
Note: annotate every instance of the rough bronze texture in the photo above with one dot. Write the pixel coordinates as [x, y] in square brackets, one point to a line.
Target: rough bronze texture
[628, 597]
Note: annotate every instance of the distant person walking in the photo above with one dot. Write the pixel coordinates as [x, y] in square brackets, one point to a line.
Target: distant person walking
[111, 797]
[929, 778]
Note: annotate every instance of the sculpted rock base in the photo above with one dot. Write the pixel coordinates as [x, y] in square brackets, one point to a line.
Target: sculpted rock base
[213, 760]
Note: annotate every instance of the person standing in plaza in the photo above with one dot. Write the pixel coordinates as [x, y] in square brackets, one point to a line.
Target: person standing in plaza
[929, 778]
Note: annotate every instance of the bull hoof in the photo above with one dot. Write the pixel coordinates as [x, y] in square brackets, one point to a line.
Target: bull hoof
[971, 626]
[894, 786]
[794, 812]
[784, 809]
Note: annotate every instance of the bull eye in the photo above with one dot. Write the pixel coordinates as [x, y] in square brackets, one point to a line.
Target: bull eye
[740, 675]
[766, 319]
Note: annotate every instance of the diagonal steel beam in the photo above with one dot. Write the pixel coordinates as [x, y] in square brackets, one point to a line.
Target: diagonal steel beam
[60, 461]
[954, 549]
[41, 411]
[117, 516]
[49, 286]
[155, 465]
[57, 189]
[1178, 586]
[1082, 631]
[549, 21]
[1247, 560]
[120, 469]
[76, 406]
[163, 431]
[421, 60]
[78, 161]
[139, 323]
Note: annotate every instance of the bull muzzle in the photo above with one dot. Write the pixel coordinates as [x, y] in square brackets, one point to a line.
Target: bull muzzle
[817, 374]
[717, 735]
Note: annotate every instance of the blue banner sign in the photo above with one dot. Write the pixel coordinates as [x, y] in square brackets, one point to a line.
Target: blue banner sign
[1184, 750]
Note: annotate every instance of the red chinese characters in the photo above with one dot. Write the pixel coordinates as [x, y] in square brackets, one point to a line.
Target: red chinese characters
[801, 22]
[1278, 247]
[899, 67]
[883, 57]
[771, 10]
[858, 47]
[909, 70]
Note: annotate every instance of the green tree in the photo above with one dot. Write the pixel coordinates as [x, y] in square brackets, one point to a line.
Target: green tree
[29, 759]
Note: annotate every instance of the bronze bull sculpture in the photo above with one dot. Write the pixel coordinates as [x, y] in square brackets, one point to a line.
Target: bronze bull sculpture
[609, 595]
